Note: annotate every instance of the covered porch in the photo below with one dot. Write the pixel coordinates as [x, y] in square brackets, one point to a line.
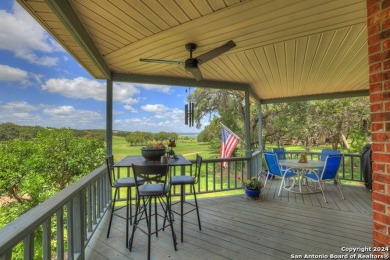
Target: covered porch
[302, 50]
[234, 227]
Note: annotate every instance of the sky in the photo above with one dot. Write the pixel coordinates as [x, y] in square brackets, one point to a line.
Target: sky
[41, 84]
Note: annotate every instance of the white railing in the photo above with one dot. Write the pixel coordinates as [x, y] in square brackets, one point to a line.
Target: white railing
[67, 220]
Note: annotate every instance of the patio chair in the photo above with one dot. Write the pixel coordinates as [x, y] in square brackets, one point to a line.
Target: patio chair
[151, 183]
[273, 166]
[280, 153]
[183, 180]
[117, 184]
[326, 152]
[329, 172]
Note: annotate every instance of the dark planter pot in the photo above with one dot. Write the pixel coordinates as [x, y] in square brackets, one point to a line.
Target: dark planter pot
[152, 154]
[252, 193]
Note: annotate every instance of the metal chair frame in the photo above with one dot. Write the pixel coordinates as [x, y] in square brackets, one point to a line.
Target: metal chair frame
[174, 181]
[117, 184]
[276, 170]
[321, 177]
[151, 183]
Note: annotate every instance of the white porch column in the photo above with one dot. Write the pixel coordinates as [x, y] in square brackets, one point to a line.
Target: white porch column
[248, 152]
[109, 100]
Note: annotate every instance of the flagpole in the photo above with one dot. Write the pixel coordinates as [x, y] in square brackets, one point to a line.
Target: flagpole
[232, 132]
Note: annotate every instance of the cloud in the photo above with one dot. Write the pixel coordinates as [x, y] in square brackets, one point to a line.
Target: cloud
[8, 73]
[159, 88]
[130, 108]
[83, 88]
[18, 107]
[164, 119]
[72, 117]
[157, 108]
[22, 35]
[23, 113]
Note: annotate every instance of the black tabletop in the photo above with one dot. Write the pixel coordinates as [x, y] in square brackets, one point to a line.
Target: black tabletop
[129, 160]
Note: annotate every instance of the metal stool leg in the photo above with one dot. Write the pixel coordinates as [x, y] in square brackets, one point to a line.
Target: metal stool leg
[127, 215]
[197, 208]
[171, 224]
[181, 211]
[137, 208]
[149, 225]
[112, 212]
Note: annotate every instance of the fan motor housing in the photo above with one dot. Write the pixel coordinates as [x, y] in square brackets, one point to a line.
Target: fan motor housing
[191, 64]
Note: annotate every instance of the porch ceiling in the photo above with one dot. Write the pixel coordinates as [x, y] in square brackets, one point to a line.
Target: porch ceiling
[285, 49]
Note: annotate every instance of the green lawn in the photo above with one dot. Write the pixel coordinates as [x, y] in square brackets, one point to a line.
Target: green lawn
[188, 147]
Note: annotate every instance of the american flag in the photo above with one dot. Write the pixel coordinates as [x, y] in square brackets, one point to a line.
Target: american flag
[229, 142]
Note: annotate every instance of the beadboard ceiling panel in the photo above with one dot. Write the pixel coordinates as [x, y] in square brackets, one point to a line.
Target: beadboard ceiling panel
[284, 48]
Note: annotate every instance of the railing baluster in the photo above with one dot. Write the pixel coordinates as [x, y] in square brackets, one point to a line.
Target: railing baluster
[228, 177]
[207, 177]
[28, 244]
[70, 229]
[343, 160]
[98, 197]
[101, 197]
[94, 203]
[78, 225]
[89, 209]
[60, 234]
[352, 177]
[46, 239]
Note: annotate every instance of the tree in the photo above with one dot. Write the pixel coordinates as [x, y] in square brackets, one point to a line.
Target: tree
[33, 170]
[310, 122]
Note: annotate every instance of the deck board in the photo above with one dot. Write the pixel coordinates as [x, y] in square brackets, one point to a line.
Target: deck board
[234, 227]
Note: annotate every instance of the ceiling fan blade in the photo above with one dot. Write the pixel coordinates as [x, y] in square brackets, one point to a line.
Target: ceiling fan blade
[162, 61]
[215, 52]
[196, 73]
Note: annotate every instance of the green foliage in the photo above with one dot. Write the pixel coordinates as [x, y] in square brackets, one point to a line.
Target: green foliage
[139, 138]
[33, 170]
[10, 131]
[360, 137]
[144, 138]
[310, 123]
[161, 136]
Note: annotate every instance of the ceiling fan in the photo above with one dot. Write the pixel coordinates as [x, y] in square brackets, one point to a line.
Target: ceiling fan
[192, 64]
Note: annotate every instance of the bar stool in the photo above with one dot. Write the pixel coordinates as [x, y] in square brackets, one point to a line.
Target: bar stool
[154, 186]
[119, 183]
[183, 180]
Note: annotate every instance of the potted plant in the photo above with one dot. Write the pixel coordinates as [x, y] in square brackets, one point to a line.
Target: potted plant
[252, 187]
[153, 152]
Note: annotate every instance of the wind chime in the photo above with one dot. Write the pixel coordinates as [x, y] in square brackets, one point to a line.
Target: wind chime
[189, 116]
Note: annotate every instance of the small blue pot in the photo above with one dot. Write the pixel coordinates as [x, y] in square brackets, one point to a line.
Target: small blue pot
[252, 193]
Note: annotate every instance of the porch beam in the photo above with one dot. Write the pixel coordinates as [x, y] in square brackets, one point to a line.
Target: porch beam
[173, 81]
[348, 94]
[64, 11]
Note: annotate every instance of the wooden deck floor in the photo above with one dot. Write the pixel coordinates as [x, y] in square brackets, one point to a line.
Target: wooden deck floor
[234, 227]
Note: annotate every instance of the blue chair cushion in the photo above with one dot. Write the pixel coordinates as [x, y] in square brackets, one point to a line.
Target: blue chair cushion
[289, 174]
[124, 182]
[176, 180]
[311, 176]
[152, 189]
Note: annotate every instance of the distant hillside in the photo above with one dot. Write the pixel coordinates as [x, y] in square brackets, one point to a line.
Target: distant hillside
[10, 131]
